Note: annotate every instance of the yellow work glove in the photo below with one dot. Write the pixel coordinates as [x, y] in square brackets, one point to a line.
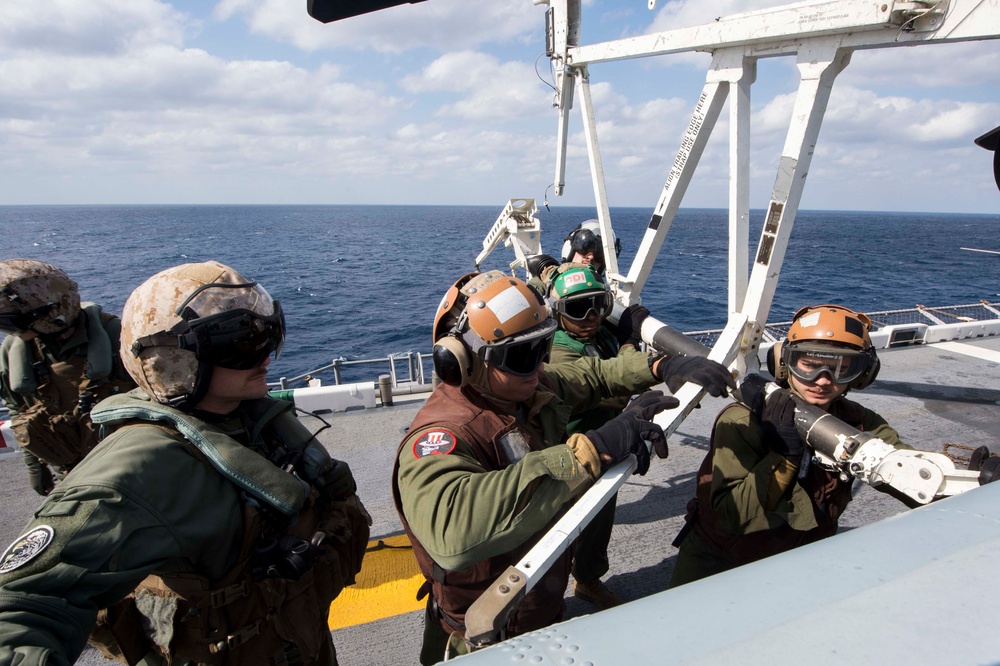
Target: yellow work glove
[585, 454]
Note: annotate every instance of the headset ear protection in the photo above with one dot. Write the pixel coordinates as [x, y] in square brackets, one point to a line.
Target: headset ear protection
[452, 360]
[775, 364]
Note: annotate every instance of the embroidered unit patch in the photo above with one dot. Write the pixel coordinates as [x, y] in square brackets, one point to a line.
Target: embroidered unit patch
[26, 548]
[435, 443]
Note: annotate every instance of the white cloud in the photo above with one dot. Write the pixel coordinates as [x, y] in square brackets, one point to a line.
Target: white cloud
[491, 89]
[94, 27]
[142, 116]
[440, 25]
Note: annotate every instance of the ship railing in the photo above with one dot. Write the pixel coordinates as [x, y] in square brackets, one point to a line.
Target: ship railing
[406, 369]
[890, 320]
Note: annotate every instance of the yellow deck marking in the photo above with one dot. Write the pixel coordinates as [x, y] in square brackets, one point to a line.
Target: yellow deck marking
[387, 585]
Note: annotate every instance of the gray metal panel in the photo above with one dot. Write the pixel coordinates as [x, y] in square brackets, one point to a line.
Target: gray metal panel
[917, 588]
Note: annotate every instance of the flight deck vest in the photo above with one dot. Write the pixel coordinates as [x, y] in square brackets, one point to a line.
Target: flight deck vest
[829, 493]
[479, 423]
[53, 396]
[271, 607]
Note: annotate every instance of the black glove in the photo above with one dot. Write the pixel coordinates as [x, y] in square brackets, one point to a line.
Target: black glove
[778, 424]
[752, 393]
[630, 325]
[40, 479]
[678, 370]
[536, 263]
[628, 432]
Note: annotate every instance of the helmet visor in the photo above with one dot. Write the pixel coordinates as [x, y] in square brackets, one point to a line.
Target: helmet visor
[843, 365]
[586, 241]
[521, 354]
[237, 339]
[580, 307]
[14, 323]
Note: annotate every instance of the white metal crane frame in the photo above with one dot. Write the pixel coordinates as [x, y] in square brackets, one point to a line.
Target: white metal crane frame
[822, 35]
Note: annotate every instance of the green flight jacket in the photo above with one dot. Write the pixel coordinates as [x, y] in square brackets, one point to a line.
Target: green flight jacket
[566, 348]
[741, 473]
[463, 514]
[141, 502]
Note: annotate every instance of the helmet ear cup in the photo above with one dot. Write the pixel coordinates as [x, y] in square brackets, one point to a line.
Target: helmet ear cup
[776, 362]
[452, 361]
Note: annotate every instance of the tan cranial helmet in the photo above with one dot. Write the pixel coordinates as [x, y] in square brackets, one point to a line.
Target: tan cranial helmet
[826, 338]
[496, 317]
[35, 296]
[184, 321]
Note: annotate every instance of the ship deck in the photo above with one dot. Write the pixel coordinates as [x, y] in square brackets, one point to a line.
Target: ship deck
[932, 394]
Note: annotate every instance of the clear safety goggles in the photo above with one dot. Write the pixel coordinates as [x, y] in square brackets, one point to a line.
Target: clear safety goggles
[521, 354]
[843, 365]
[580, 307]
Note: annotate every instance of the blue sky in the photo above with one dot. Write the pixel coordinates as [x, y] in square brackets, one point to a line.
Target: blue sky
[252, 101]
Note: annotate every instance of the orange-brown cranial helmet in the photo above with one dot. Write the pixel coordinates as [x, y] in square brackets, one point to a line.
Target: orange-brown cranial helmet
[493, 316]
[818, 330]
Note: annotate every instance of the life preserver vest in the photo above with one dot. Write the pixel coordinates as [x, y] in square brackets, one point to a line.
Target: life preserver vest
[255, 614]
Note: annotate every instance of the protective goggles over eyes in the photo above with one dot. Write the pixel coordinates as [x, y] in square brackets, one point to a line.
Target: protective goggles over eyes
[520, 354]
[586, 241]
[14, 323]
[843, 365]
[580, 307]
[237, 339]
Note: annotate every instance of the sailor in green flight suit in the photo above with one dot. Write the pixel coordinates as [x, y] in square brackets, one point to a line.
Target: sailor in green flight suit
[210, 526]
[580, 303]
[487, 465]
[755, 496]
[60, 357]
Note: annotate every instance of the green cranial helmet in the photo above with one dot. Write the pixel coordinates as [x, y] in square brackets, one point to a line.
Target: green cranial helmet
[572, 279]
[35, 296]
[576, 290]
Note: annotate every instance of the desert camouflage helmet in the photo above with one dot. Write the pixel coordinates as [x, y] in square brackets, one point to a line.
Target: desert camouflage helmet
[185, 320]
[35, 296]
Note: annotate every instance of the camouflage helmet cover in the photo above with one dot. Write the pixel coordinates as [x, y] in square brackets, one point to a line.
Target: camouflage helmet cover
[28, 286]
[163, 371]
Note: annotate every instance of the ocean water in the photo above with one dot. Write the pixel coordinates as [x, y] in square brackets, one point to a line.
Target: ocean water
[364, 281]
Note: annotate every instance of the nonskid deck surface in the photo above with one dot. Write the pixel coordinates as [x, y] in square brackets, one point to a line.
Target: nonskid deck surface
[930, 394]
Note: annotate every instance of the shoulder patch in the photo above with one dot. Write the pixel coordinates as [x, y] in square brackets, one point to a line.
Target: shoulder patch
[435, 443]
[26, 548]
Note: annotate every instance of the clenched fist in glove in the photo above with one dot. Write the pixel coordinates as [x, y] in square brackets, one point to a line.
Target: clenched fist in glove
[630, 325]
[778, 423]
[678, 370]
[628, 432]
